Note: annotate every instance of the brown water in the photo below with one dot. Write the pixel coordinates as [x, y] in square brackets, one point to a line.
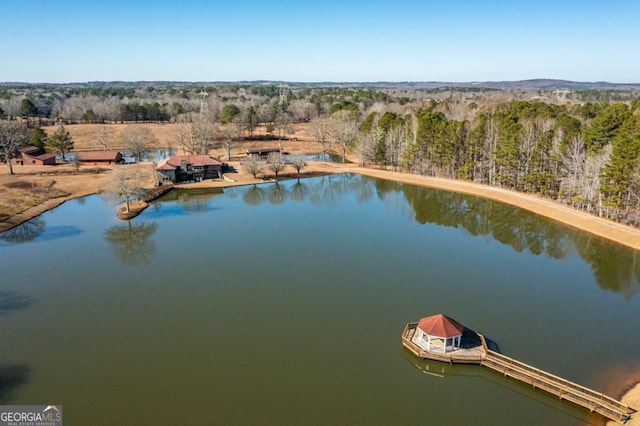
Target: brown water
[284, 304]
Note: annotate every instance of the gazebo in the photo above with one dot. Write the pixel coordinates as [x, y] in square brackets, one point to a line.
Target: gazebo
[439, 329]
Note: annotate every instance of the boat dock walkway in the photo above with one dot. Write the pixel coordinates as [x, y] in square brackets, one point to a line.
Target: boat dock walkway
[474, 350]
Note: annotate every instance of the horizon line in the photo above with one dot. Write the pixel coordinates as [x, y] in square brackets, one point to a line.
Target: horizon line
[471, 82]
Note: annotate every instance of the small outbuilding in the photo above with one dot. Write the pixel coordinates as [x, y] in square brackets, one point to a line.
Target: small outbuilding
[101, 157]
[439, 332]
[262, 153]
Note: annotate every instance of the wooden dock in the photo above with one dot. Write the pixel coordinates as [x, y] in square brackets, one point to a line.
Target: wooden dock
[157, 192]
[474, 350]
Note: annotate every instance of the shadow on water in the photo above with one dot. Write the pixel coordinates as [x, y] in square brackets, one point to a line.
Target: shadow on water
[12, 301]
[132, 244]
[442, 370]
[492, 345]
[11, 377]
[55, 232]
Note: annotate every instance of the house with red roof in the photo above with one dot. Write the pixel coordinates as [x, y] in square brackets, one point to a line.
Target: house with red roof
[186, 168]
[34, 156]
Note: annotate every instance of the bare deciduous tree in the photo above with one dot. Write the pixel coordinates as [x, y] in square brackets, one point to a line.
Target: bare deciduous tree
[344, 129]
[396, 143]
[491, 141]
[203, 135]
[138, 140]
[126, 183]
[183, 138]
[13, 136]
[253, 165]
[76, 164]
[103, 138]
[530, 137]
[573, 165]
[275, 162]
[321, 130]
[283, 124]
[232, 132]
[302, 110]
[297, 161]
[365, 145]
[590, 180]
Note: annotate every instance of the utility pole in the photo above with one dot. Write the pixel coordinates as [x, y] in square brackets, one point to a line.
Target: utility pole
[283, 90]
[203, 105]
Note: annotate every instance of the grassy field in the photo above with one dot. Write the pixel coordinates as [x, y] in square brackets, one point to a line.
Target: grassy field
[86, 136]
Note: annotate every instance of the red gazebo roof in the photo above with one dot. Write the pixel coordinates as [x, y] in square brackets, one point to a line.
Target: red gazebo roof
[440, 326]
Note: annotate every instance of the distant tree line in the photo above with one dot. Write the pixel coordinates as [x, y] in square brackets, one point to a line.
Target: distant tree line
[581, 149]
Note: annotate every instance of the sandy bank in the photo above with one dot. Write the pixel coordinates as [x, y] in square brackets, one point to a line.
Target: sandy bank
[631, 399]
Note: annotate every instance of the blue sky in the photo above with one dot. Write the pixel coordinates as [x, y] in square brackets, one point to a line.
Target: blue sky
[76, 41]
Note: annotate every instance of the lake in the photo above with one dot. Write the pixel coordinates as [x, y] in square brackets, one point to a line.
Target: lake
[284, 304]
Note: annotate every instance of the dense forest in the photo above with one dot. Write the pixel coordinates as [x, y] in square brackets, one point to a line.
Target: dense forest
[578, 147]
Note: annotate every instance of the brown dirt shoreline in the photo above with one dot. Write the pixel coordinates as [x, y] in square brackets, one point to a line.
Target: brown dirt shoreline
[84, 184]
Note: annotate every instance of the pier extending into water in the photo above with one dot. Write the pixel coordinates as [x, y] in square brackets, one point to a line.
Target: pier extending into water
[473, 350]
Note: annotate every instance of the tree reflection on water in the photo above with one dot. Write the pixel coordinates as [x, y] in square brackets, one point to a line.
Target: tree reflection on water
[254, 195]
[299, 191]
[132, 244]
[278, 194]
[24, 232]
[614, 267]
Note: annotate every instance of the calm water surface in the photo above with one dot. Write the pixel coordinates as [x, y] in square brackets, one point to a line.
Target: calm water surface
[284, 304]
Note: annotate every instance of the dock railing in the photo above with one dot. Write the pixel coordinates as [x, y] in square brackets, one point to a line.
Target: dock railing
[407, 335]
[564, 389]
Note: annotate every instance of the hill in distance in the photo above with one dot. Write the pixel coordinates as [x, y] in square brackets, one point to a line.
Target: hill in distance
[534, 84]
